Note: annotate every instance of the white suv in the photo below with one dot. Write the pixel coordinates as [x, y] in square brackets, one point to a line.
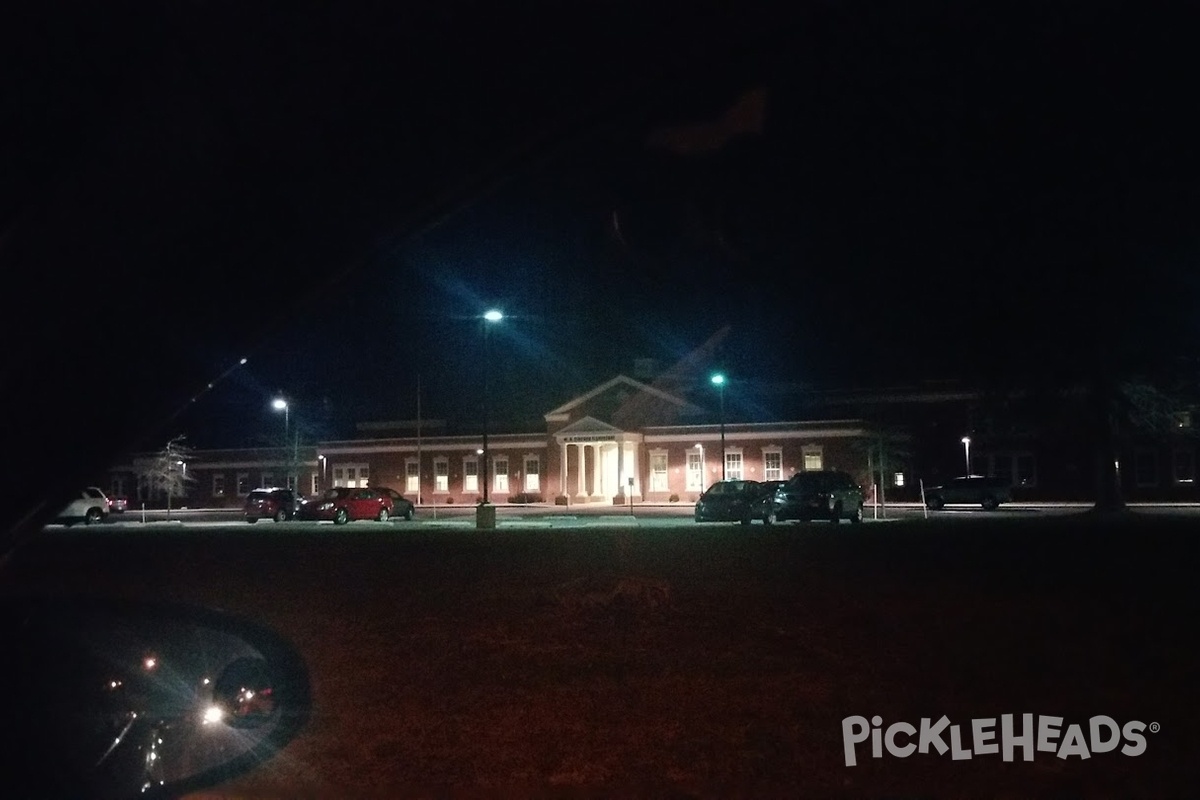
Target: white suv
[90, 507]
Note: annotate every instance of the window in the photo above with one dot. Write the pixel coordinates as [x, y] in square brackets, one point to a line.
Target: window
[412, 476]
[979, 466]
[695, 471]
[218, 485]
[470, 474]
[1026, 470]
[267, 480]
[733, 466]
[1145, 468]
[500, 468]
[898, 479]
[117, 486]
[350, 476]
[813, 457]
[441, 474]
[243, 484]
[532, 474]
[1183, 419]
[658, 472]
[1185, 466]
[772, 465]
[315, 484]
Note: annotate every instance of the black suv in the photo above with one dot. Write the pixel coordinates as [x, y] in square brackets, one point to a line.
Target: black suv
[277, 504]
[823, 494]
[987, 492]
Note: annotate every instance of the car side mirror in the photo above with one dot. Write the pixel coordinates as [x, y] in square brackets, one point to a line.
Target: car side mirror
[115, 699]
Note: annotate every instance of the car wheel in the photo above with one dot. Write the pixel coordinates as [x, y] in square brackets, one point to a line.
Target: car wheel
[746, 519]
[410, 513]
[857, 517]
[383, 515]
[770, 518]
[934, 503]
[341, 517]
[93, 516]
[990, 503]
[835, 514]
[252, 520]
[281, 516]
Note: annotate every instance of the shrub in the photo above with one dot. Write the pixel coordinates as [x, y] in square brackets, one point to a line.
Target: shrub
[562, 500]
[673, 498]
[450, 501]
[525, 497]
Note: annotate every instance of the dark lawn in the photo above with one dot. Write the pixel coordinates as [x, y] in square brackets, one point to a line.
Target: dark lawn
[712, 661]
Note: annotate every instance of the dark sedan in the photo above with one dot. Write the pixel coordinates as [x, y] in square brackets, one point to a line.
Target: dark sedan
[343, 504]
[401, 505]
[728, 501]
[970, 489]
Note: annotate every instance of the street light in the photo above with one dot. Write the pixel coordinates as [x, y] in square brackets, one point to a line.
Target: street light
[966, 440]
[490, 317]
[279, 404]
[719, 381]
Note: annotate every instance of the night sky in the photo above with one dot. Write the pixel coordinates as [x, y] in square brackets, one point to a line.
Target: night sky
[937, 192]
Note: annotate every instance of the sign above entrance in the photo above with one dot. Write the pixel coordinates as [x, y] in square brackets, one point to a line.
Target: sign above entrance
[590, 438]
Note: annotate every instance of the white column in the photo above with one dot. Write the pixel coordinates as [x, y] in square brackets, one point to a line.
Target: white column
[621, 483]
[562, 470]
[581, 488]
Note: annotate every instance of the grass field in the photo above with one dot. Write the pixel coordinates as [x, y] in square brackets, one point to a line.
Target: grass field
[708, 661]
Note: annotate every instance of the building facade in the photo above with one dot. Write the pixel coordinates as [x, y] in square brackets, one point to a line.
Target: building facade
[628, 441]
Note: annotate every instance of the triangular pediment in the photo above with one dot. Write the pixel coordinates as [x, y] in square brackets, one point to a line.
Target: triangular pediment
[621, 385]
[588, 426]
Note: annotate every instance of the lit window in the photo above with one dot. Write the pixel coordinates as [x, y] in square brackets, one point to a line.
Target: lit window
[733, 466]
[500, 470]
[772, 465]
[898, 479]
[658, 472]
[695, 471]
[412, 476]
[532, 474]
[813, 457]
[441, 474]
[470, 475]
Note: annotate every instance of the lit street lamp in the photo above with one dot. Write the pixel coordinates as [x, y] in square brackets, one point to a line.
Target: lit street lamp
[719, 381]
[279, 404]
[966, 440]
[485, 518]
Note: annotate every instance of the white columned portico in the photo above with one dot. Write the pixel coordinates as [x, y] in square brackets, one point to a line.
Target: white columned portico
[562, 470]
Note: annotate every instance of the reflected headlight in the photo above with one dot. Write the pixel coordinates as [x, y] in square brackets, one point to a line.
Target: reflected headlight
[326, 506]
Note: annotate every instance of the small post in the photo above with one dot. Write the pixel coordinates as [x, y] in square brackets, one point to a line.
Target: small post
[143, 512]
[924, 507]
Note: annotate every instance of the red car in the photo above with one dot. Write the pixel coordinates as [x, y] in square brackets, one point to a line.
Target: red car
[344, 505]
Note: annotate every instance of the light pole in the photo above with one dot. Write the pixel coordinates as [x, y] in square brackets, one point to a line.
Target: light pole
[485, 516]
[966, 440]
[719, 381]
[279, 404]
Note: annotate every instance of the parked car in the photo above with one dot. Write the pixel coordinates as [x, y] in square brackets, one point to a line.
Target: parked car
[401, 505]
[277, 504]
[342, 505]
[987, 492]
[117, 505]
[822, 494]
[89, 508]
[728, 501]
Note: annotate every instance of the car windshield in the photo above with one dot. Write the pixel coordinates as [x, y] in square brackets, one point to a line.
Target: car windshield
[510, 270]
